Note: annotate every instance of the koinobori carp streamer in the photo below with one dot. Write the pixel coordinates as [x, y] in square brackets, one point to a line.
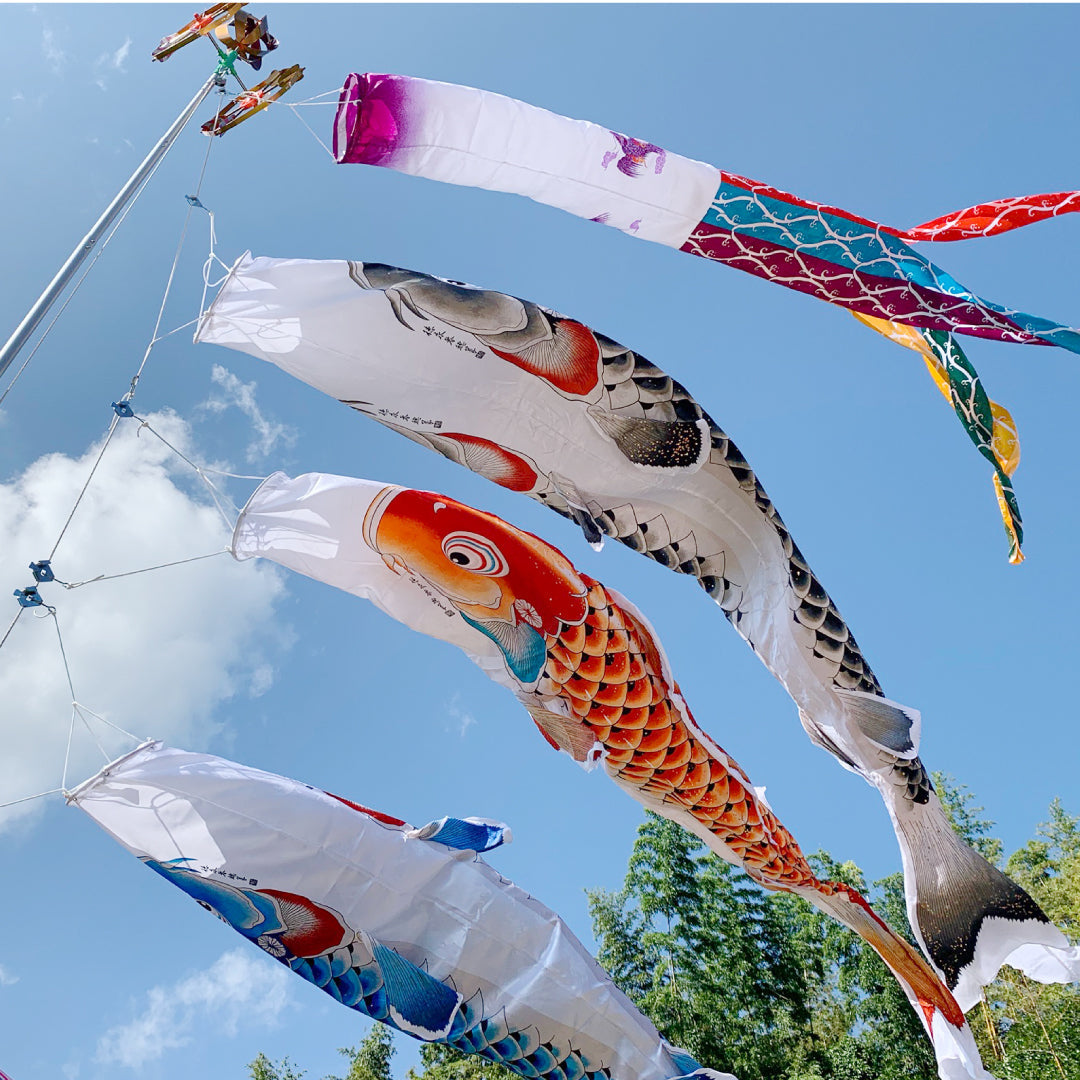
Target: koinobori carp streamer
[543, 405]
[589, 670]
[406, 926]
[462, 135]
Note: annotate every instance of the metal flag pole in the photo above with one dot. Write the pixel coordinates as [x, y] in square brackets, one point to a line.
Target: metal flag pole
[66, 272]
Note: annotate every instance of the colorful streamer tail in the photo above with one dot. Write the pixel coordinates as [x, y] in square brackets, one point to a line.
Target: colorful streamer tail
[993, 218]
[990, 426]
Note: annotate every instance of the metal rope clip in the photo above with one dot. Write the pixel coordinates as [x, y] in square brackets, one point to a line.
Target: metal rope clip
[42, 571]
[123, 408]
[28, 597]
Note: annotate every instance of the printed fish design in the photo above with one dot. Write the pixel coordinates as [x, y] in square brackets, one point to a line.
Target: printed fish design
[381, 916]
[604, 437]
[589, 670]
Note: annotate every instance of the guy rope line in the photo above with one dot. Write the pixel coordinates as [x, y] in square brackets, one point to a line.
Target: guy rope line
[153, 340]
[78, 284]
[144, 570]
[312, 130]
[176, 257]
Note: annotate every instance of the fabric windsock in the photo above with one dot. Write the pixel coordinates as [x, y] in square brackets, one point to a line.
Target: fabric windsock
[406, 926]
[462, 135]
[587, 667]
[543, 405]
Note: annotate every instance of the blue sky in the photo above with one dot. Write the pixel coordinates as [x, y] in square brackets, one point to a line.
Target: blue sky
[897, 113]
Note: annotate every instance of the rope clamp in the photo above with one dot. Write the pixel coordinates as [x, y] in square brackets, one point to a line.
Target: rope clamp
[42, 571]
[123, 408]
[28, 597]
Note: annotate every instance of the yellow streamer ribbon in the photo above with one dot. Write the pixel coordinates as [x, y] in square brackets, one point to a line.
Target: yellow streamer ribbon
[1004, 441]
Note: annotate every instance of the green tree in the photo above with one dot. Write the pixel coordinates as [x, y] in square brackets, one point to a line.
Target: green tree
[262, 1068]
[706, 955]
[965, 819]
[764, 985]
[441, 1062]
[1026, 1030]
[371, 1059]
[752, 982]
[883, 1038]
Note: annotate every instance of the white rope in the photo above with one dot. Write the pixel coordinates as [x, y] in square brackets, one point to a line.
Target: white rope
[176, 330]
[90, 731]
[76, 708]
[79, 498]
[7, 632]
[211, 258]
[74, 705]
[109, 723]
[67, 750]
[29, 798]
[232, 475]
[144, 570]
[216, 495]
[314, 99]
[78, 284]
[153, 340]
[176, 259]
[329, 152]
[63, 653]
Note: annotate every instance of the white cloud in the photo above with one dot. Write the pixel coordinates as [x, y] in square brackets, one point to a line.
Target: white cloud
[240, 987]
[461, 716]
[55, 57]
[111, 61]
[240, 394]
[262, 678]
[156, 653]
[117, 59]
[6, 978]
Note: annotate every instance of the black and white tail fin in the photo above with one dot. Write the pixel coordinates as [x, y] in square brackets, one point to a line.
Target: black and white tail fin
[969, 917]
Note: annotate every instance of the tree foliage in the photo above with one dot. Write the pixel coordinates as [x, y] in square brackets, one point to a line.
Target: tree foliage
[1025, 1030]
[262, 1068]
[965, 819]
[441, 1062]
[750, 982]
[765, 986]
[371, 1059]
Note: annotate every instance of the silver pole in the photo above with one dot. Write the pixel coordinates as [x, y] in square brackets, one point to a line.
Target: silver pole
[86, 245]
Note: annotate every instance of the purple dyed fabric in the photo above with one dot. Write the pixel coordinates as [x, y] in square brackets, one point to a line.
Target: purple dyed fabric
[371, 119]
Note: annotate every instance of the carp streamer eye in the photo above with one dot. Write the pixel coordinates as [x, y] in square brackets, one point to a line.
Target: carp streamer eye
[475, 553]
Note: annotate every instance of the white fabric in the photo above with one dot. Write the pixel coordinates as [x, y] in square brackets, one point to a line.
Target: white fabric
[461, 135]
[313, 524]
[311, 320]
[417, 355]
[240, 825]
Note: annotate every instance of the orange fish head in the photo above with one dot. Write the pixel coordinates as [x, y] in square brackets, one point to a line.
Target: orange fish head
[488, 568]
